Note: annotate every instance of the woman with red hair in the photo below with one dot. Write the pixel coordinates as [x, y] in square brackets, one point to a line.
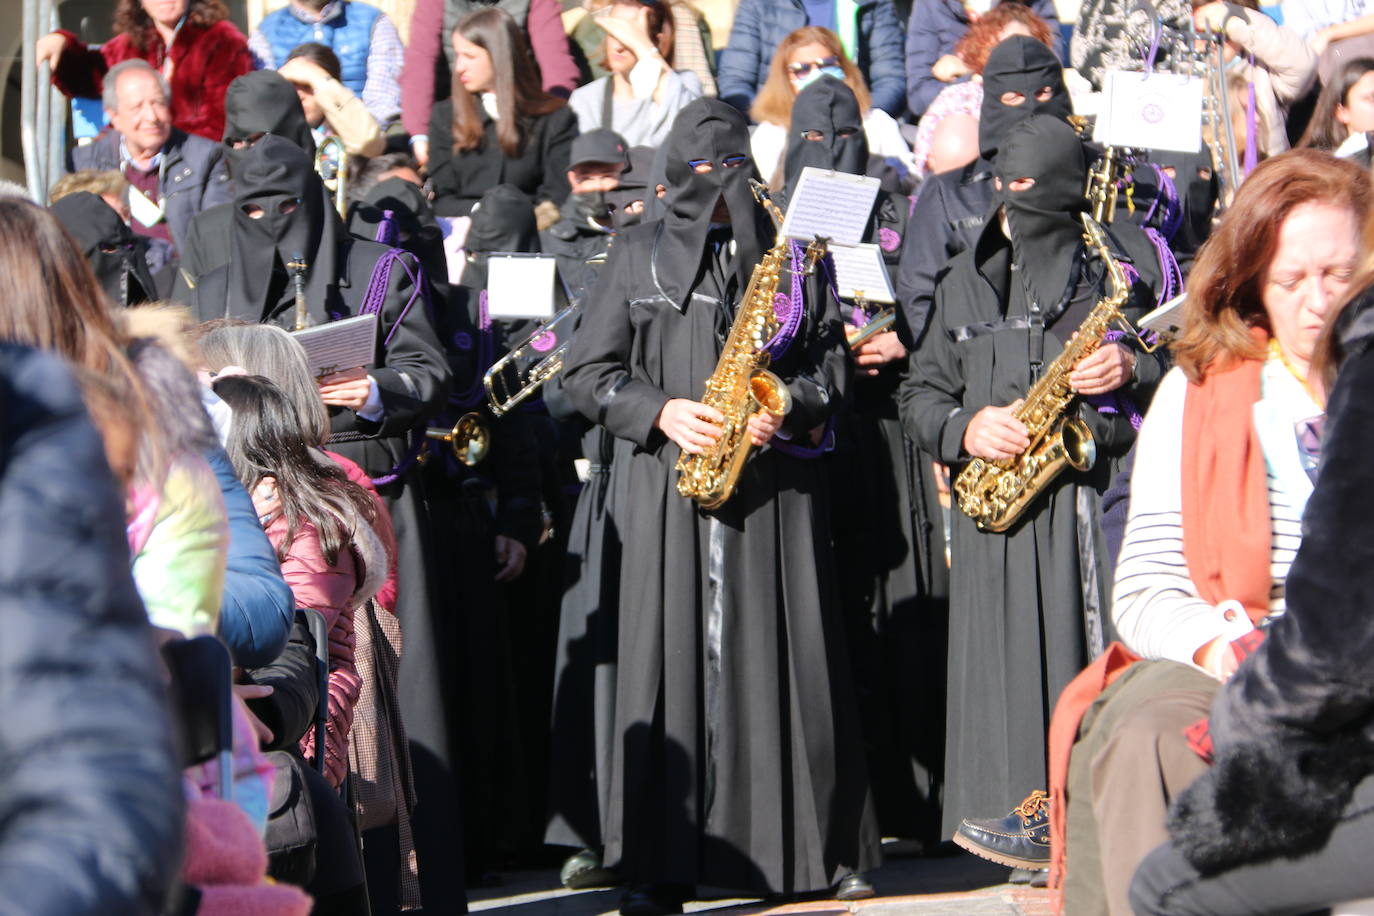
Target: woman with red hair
[1224, 467]
[947, 135]
[192, 43]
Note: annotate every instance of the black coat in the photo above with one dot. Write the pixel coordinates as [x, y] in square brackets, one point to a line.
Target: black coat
[90, 789]
[1293, 729]
[540, 170]
[948, 215]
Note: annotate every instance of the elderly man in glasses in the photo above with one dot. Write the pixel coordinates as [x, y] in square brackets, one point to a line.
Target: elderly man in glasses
[172, 175]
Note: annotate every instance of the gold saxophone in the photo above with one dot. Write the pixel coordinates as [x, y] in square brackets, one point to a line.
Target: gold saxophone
[741, 383]
[994, 493]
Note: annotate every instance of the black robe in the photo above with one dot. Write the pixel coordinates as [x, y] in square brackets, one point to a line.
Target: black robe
[890, 550]
[1026, 605]
[737, 758]
[413, 380]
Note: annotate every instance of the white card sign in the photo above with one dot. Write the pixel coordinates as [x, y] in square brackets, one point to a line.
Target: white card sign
[520, 286]
[338, 346]
[1151, 111]
[831, 205]
[861, 270]
[1167, 320]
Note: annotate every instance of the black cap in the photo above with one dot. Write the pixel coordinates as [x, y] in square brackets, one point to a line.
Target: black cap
[598, 146]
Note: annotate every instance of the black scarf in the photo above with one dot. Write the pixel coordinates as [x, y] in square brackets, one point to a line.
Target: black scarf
[1019, 64]
[263, 102]
[828, 107]
[274, 174]
[502, 220]
[117, 256]
[1045, 229]
[710, 130]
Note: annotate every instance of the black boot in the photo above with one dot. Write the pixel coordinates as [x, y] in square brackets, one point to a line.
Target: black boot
[654, 899]
[1020, 840]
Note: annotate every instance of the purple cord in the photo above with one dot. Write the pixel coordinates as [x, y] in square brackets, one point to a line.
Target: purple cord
[788, 309]
[1173, 276]
[794, 450]
[1167, 196]
[1251, 124]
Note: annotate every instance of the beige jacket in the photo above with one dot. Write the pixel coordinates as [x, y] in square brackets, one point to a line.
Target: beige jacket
[1284, 69]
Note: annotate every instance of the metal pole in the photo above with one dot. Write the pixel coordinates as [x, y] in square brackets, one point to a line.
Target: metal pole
[57, 115]
[41, 133]
[29, 94]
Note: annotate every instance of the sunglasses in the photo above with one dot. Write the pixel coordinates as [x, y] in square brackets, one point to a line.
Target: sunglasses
[802, 68]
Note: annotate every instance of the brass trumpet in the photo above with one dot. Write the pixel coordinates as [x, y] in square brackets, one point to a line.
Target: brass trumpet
[331, 162]
[522, 371]
[875, 326]
[470, 438]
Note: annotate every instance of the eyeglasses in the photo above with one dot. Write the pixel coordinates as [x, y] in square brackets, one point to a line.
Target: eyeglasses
[816, 136]
[729, 162]
[802, 68]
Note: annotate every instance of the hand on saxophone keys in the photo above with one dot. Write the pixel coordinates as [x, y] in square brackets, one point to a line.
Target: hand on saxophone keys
[694, 426]
[1105, 369]
[995, 434]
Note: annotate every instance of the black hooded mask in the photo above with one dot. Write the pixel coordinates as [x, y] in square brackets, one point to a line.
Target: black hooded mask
[1019, 64]
[1045, 228]
[277, 177]
[1196, 183]
[634, 186]
[707, 130]
[117, 256]
[263, 102]
[502, 220]
[826, 108]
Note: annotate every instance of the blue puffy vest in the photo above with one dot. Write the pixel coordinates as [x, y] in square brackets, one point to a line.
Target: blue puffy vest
[347, 32]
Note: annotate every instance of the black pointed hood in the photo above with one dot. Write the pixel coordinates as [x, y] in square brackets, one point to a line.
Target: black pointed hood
[117, 256]
[1019, 64]
[707, 130]
[263, 102]
[1044, 220]
[828, 108]
[277, 176]
[502, 220]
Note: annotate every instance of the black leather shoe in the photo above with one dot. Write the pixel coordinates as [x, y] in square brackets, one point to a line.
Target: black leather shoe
[653, 900]
[583, 870]
[853, 887]
[1020, 840]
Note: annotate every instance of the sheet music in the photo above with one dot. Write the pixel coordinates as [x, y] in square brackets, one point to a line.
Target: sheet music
[1167, 320]
[1150, 111]
[832, 205]
[520, 286]
[861, 270]
[338, 346]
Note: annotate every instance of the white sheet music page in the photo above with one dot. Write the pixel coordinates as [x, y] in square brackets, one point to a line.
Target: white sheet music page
[338, 346]
[520, 286]
[1150, 111]
[831, 205]
[1166, 320]
[861, 270]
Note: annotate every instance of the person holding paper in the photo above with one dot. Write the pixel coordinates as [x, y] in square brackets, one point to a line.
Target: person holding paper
[892, 572]
[737, 756]
[1026, 606]
[280, 218]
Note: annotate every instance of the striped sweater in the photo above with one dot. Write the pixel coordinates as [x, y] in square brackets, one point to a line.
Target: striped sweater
[1156, 606]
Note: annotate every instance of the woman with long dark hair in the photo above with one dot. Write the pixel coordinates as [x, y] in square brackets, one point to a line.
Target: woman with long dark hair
[321, 524]
[1344, 108]
[192, 43]
[498, 127]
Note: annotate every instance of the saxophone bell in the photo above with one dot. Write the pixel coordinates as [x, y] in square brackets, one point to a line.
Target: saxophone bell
[470, 438]
[770, 393]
